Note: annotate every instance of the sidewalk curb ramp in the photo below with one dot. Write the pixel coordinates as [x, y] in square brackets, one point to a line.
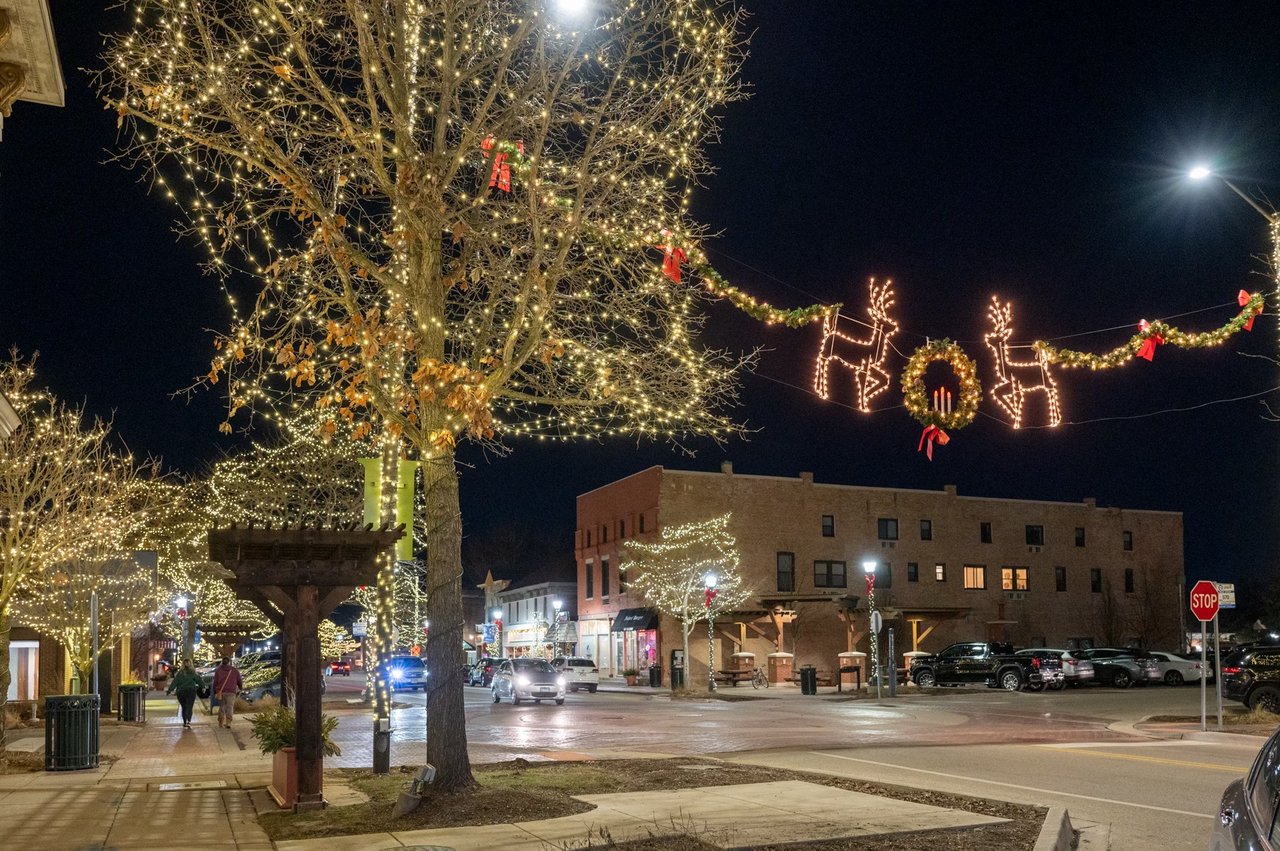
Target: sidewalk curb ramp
[1056, 834]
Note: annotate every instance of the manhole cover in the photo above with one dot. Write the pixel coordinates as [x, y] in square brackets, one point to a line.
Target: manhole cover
[183, 787]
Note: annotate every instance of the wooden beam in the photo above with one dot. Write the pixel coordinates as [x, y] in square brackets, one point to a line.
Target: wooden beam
[733, 638]
[760, 632]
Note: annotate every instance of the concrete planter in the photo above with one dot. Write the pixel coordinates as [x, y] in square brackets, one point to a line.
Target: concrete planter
[284, 777]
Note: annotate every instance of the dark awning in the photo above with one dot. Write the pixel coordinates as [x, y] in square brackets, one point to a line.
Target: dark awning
[635, 619]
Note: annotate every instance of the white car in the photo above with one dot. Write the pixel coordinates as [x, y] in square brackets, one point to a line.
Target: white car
[578, 672]
[1075, 671]
[1175, 670]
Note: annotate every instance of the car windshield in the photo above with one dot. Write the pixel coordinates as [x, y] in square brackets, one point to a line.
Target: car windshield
[408, 662]
[534, 665]
[582, 663]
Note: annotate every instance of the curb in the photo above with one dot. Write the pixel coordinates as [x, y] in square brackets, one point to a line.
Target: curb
[1247, 740]
[1056, 834]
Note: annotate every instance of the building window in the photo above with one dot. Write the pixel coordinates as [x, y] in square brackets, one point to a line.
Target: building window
[829, 574]
[642, 523]
[604, 534]
[591, 580]
[1013, 578]
[940, 572]
[588, 537]
[1128, 580]
[926, 530]
[604, 579]
[986, 533]
[622, 528]
[884, 575]
[975, 577]
[622, 578]
[887, 528]
[786, 571]
[1095, 580]
[1035, 536]
[1079, 536]
[828, 525]
[1128, 541]
[1060, 578]
[913, 572]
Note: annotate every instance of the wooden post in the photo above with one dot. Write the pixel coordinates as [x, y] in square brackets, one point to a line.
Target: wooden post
[307, 707]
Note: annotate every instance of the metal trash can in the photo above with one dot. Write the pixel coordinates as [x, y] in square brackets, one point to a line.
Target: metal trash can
[808, 679]
[677, 678]
[71, 732]
[655, 676]
[132, 704]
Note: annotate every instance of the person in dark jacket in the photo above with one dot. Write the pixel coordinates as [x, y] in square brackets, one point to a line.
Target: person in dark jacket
[227, 683]
[187, 684]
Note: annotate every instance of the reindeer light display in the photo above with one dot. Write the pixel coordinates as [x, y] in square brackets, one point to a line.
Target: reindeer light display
[871, 376]
[1015, 379]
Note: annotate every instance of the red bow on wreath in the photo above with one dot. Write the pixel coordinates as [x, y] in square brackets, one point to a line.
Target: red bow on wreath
[929, 436]
[1242, 299]
[1147, 350]
[672, 256]
[501, 174]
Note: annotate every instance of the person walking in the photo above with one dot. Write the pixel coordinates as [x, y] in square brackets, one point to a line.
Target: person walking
[227, 683]
[186, 683]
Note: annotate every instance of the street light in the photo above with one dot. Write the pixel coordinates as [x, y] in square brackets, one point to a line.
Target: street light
[869, 568]
[1203, 172]
[497, 619]
[710, 582]
[572, 7]
[556, 604]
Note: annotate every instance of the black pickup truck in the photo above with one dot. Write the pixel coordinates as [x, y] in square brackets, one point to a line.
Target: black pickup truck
[970, 663]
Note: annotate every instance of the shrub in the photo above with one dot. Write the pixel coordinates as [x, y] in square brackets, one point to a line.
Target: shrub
[630, 672]
[277, 728]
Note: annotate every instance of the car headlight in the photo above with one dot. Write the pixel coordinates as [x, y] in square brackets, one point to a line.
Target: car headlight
[560, 681]
[522, 681]
[397, 674]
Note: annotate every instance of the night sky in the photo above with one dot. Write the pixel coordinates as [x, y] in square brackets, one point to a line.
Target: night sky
[962, 149]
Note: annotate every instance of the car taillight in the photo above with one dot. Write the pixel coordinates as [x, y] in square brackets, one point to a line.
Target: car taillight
[1231, 669]
[1035, 662]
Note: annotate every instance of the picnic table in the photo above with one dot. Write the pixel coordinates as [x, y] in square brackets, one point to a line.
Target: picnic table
[735, 676]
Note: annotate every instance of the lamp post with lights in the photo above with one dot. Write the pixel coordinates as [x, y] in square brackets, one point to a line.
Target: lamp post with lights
[869, 569]
[497, 625]
[710, 582]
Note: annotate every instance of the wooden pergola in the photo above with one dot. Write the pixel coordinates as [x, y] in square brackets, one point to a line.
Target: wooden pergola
[298, 576]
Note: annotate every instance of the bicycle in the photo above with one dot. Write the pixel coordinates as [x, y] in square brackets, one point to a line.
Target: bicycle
[760, 680]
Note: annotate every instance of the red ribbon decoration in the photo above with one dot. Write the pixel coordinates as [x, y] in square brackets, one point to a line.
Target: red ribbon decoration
[711, 595]
[501, 174]
[1242, 299]
[672, 257]
[1147, 350]
[871, 584]
[929, 436]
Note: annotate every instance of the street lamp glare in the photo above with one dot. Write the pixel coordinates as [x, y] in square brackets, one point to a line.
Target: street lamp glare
[556, 604]
[710, 580]
[497, 614]
[572, 7]
[181, 602]
[1199, 172]
[868, 567]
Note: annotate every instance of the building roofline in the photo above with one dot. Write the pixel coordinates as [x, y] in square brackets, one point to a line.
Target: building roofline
[658, 467]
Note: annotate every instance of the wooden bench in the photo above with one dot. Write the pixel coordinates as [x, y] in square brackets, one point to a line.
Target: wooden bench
[735, 676]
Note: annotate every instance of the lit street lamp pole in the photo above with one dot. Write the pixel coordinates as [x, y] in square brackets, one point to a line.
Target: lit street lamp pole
[555, 646]
[497, 621]
[869, 568]
[710, 582]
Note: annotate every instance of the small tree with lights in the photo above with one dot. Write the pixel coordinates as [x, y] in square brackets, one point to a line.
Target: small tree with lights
[467, 219]
[671, 573]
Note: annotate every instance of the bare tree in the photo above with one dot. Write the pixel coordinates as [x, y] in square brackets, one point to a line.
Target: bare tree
[468, 218]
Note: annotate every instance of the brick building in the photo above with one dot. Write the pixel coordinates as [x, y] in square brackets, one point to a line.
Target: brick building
[949, 568]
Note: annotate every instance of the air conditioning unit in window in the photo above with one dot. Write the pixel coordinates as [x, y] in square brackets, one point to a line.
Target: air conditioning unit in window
[1015, 595]
[886, 545]
[1033, 549]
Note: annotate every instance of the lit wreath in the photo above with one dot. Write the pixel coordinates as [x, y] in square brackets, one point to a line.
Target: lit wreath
[916, 397]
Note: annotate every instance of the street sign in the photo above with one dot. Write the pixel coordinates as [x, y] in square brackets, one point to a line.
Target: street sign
[1226, 595]
[1204, 600]
[358, 629]
[489, 635]
[876, 622]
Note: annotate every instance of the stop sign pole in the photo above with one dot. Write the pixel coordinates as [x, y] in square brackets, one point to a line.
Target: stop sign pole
[1204, 605]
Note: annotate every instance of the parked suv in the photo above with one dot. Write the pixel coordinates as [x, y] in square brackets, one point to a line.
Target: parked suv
[1253, 677]
[578, 672]
[1122, 667]
[969, 663]
[1076, 671]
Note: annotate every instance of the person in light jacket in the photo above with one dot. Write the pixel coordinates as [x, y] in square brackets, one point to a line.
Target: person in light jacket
[186, 683]
[227, 683]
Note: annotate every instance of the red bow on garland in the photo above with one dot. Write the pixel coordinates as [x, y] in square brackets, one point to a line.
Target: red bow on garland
[1242, 299]
[501, 174]
[672, 256]
[929, 436]
[1147, 350]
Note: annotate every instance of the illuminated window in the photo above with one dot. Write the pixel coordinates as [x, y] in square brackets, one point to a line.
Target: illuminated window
[1013, 578]
[940, 572]
[975, 577]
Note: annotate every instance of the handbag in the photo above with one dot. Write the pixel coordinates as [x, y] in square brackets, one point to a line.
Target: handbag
[203, 691]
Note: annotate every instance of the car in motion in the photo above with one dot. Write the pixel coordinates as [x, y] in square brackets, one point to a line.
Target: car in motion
[407, 672]
[340, 666]
[579, 673]
[528, 679]
[1247, 813]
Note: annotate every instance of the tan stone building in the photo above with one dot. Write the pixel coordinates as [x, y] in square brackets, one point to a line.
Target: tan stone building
[948, 568]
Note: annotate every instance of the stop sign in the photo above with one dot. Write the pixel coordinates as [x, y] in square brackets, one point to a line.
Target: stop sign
[1204, 600]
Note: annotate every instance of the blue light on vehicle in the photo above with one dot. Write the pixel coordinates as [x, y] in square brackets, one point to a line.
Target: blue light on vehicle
[397, 674]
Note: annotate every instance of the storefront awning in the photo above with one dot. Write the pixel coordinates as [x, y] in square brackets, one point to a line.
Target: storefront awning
[635, 619]
[563, 633]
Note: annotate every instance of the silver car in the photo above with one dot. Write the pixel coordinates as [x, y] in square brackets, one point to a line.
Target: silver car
[1247, 815]
[407, 672]
[528, 679]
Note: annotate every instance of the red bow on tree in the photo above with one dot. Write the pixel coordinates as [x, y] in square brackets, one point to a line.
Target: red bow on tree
[931, 435]
[1147, 350]
[501, 174]
[672, 256]
[1242, 299]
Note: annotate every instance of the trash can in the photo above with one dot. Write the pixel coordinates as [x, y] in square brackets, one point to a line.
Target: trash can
[132, 704]
[71, 732]
[808, 679]
[655, 676]
[677, 678]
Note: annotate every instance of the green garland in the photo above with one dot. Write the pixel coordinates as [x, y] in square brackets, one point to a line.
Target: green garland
[1169, 334]
[916, 397]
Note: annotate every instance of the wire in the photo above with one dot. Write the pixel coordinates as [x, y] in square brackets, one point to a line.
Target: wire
[1142, 416]
[806, 390]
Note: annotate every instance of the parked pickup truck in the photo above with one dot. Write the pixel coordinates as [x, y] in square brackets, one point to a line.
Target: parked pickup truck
[991, 664]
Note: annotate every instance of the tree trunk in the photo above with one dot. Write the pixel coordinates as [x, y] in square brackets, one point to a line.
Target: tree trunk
[5, 627]
[446, 716]
[685, 628]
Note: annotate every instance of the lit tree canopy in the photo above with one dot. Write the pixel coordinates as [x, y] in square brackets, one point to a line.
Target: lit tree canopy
[670, 572]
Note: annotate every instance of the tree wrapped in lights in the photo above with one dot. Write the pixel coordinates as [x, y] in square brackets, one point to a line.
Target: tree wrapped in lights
[60, 488]
[335, 642]
[459, 214]
[670, 573]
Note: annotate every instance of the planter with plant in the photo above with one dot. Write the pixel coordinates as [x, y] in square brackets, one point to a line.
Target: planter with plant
[631, 674]
[276, 730]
